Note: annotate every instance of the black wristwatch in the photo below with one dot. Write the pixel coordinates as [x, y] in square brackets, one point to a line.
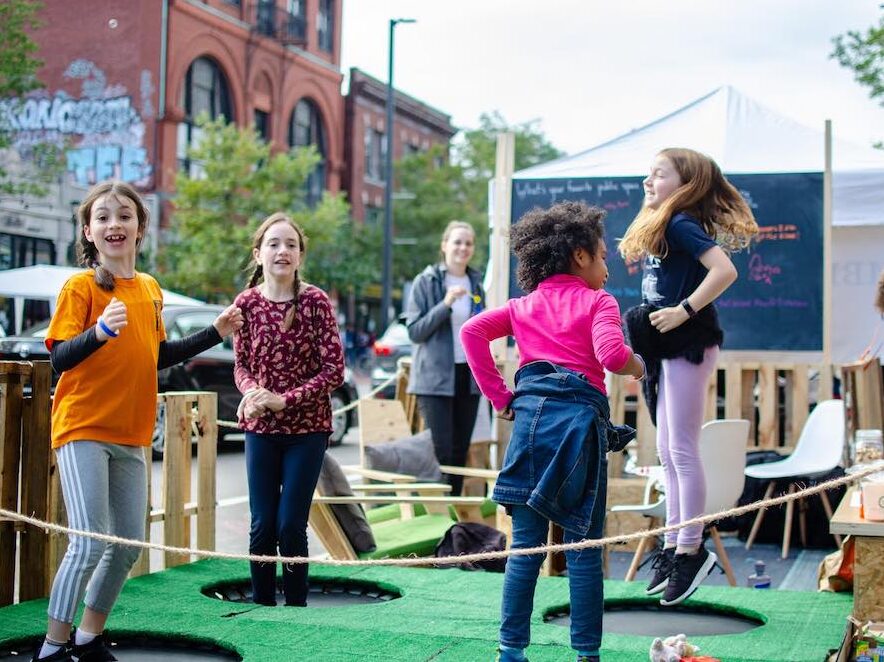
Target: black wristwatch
[689, 309]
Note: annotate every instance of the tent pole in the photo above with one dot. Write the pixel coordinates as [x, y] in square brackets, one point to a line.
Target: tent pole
[827, 248]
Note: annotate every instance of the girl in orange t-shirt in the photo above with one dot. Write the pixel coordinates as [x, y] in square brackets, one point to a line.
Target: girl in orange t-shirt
[107, 341]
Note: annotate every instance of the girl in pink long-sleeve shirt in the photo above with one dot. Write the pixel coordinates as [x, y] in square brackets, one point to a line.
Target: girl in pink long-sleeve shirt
[568, 331]
[567, 318]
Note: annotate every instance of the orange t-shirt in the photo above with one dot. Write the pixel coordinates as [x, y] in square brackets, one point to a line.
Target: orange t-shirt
[110, 396]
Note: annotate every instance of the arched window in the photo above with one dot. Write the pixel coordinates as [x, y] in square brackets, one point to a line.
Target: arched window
[205, 90]
[305, 129]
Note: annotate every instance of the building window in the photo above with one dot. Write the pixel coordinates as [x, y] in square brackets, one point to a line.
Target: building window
[205, 91]
[374, 215]
[262, 124]
[296, 21]
[306, 129]
[375, 153]
[18, 251]
[325, 23]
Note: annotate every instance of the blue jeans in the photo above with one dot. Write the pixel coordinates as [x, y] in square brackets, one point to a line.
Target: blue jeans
[584, 578]
[282, 471]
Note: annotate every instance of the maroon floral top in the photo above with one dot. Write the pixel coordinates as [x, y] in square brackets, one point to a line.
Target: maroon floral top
[304, 364]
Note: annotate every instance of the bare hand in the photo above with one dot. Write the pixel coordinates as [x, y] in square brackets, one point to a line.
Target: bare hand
[453, 294]
[268, 400]
[114, 317]
[667, 319]
[507, 414]
[229, 320]
[251, 410]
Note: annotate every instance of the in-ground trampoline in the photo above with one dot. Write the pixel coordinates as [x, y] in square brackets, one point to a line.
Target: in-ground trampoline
[322, 594]
[649, 619]
[136, 648]
[441, 615]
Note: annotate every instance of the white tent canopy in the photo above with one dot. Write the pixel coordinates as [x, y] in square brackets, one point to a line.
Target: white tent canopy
[43, 282]
[743, 137]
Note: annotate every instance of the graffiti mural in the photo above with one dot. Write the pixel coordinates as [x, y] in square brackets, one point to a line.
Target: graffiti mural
[101, 132]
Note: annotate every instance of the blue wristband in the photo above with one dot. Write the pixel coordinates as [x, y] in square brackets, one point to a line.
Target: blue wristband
[104, 327]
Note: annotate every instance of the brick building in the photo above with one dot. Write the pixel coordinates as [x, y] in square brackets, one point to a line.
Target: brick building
[417, 126]
[125, 80]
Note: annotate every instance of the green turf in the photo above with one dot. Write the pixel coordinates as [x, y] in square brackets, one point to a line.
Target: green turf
[443, 615]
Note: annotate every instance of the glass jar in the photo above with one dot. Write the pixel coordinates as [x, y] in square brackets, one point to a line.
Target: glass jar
[868, 446]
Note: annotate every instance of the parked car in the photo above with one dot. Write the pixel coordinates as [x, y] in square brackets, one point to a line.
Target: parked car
[387, 350]
[211, 370]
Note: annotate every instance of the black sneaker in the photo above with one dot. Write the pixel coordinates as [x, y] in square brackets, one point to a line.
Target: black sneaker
[94, 651]
[662, 567]
[588, 658]
[63, 654]
[689, 572]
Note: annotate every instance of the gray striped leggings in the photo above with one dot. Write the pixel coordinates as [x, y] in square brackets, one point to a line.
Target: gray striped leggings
[105, 491]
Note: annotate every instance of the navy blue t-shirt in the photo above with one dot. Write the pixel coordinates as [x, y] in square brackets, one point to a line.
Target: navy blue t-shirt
[666, 282]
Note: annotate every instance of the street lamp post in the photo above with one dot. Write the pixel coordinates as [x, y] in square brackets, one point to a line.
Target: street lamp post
[387, 273]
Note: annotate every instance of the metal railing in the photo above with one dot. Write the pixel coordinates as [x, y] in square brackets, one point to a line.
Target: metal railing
[280, 24]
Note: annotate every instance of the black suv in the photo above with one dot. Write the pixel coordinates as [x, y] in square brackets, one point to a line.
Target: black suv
[211, 370]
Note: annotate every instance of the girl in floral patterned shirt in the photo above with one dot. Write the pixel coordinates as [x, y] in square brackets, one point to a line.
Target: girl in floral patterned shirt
[288, 360]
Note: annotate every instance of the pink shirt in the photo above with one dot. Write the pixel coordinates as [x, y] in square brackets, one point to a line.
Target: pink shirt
[563, 321]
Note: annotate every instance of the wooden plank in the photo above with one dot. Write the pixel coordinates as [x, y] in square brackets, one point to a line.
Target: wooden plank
[646, 435]
[733, 391]
[747, 402]
[800, 402]
[711, 406]
[767, 407]
[10, 453]
[826, 383]
[36, 448]
[176, 475]
[380, 421]
[846, 520]
[868, 577]
[326, 527]
[207, 458]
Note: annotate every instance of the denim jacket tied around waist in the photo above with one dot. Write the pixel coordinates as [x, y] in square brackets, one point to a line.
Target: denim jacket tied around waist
[556, 460]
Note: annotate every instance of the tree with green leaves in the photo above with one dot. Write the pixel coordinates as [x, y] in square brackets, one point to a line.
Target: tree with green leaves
[238, 184]
[864, 54]
[21, 174]
[439, 190]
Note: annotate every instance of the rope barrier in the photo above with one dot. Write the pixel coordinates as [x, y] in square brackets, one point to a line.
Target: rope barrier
[464, 558]
[368, 396]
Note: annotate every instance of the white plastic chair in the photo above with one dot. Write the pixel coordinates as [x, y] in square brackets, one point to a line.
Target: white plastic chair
[723, 454]
[818, 451]
[654, 510]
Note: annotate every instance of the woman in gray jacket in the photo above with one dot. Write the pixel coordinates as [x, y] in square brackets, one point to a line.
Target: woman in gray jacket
[442, 298]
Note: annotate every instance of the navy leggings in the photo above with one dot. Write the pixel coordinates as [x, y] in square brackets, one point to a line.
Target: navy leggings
[282, 471]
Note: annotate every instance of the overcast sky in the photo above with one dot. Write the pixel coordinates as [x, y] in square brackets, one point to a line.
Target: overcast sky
[590, 70]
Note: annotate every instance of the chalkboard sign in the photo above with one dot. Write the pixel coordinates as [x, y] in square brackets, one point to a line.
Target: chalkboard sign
[776, 302]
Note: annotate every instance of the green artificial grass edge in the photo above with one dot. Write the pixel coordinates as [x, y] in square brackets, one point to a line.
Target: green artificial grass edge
[443, 615]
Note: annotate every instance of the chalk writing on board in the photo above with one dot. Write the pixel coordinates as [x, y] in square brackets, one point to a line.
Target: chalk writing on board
[747, 196]
[770, 302]
[761, 272]
[779, 232]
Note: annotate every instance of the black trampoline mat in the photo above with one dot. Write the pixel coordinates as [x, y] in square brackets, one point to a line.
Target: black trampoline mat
[321, 595]
[652, 621]
[141, 649]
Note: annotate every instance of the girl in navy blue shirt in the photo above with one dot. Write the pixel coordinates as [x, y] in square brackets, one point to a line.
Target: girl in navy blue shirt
[690, 214]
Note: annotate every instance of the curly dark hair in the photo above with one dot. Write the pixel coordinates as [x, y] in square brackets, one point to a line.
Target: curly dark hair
[544, 240]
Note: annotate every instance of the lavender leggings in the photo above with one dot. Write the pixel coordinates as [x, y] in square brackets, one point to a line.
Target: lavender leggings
[680, 407]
